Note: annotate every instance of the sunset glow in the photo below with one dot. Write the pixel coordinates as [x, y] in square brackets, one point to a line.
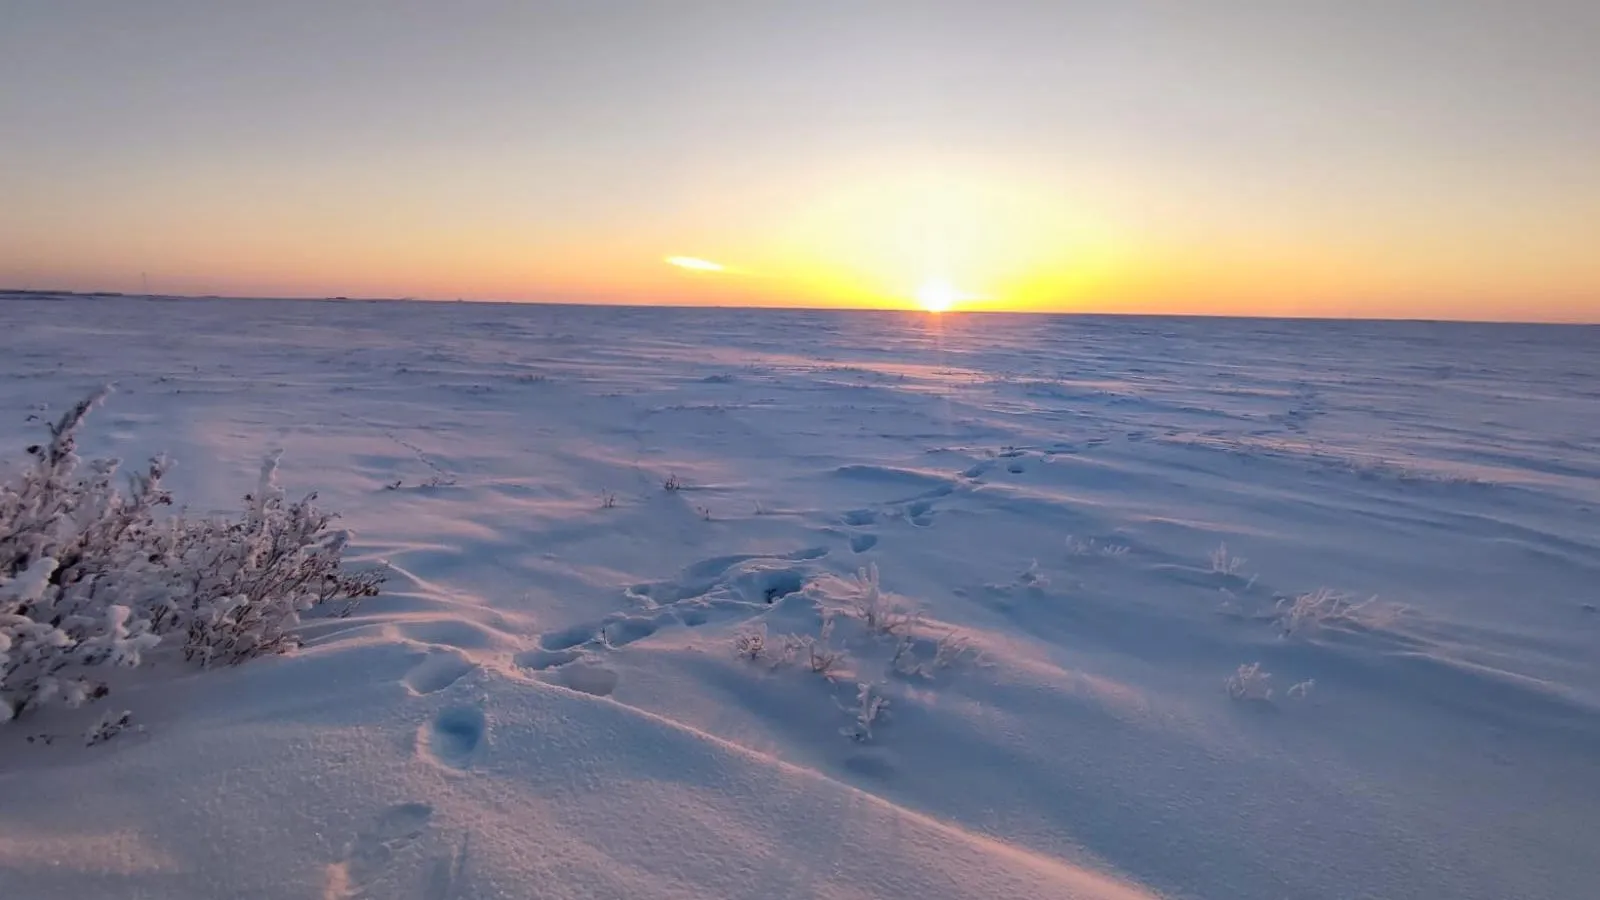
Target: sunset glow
[1207, 160]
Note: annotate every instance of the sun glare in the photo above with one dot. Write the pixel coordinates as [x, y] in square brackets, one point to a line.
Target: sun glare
[937, 296]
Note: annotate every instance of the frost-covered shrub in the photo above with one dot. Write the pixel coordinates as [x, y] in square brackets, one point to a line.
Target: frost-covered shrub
[870, 705]
[1324, 608]
[237, 588]
[816, 653]
[107, 727]
[948, 650]
[880, 614]
[1224, 564]
[1250, 683]
[1090, 547]
[91, 577]
[751, 643]
[61, 533]
[1033, 577]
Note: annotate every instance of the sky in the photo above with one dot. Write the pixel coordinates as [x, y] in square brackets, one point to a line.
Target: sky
[1350, 158]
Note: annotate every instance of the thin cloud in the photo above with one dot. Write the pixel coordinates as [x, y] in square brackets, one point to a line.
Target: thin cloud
[695, 264]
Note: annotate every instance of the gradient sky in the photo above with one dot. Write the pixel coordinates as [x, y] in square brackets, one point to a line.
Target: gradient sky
[1358, 157]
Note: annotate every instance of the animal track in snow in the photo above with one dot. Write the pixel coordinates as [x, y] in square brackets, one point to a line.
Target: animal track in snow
[452, 736]
[589, 677]
[724, 583]
[919, 510]
[721, 587]
[447, 874]
[571, 668]
[861, 543]
[920, 513]
[567, 638]
[624, 630]
[377, 851]
[706, 576]
[438, 671]
[539, 660]
[859, 517]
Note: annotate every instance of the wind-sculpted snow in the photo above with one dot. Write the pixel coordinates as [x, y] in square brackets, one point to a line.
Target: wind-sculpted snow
[723, 603]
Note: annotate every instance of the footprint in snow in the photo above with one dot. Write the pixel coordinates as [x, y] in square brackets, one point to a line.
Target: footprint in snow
[451, 738]
[589, 678]
[624, 630]
[567, 638]
[721, 587]
[374, 862]
[571, 668]
[539, 660]
[438, 671]
[448, 874]
[859, 517]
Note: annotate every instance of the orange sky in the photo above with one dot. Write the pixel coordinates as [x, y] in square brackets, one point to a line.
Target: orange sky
[1315, 159]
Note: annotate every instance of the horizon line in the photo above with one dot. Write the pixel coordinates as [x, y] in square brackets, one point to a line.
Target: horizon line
[799, 307]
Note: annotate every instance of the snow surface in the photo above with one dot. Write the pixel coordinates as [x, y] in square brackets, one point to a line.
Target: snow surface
[546, 700]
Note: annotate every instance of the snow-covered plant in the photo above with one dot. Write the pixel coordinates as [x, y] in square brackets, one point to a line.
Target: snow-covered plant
[92, 578]
[878, 612]
[61, 533]
[1091, 547]
[821, 655]
[950, 649]
[904, 660]
[1306, 613]
[107, 727]
[870, 705]
[1223, 564]
[751, 643]
[1250, 683]
[815, 652]
[1033, 577]
[238, 588]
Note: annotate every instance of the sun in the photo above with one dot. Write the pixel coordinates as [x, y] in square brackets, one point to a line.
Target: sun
[937, 296]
